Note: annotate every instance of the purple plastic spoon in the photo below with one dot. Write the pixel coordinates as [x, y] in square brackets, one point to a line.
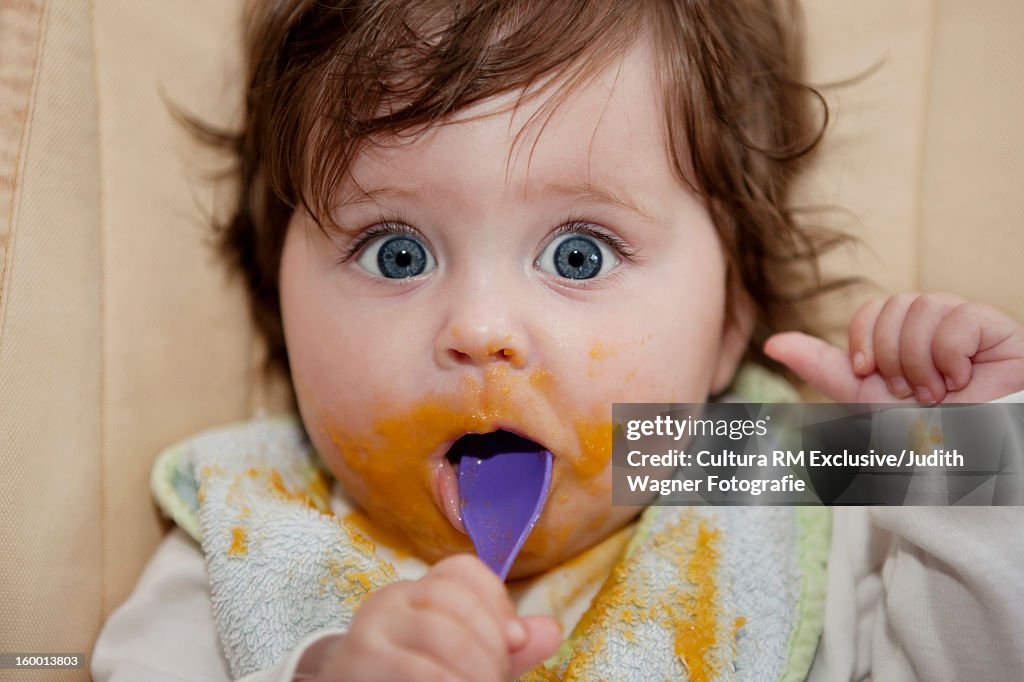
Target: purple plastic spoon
[503, 484]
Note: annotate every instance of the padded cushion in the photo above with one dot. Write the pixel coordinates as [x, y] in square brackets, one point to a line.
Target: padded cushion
[120, 334]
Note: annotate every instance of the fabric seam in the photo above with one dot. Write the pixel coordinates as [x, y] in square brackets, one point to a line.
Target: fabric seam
[101, 206]
[7, 259]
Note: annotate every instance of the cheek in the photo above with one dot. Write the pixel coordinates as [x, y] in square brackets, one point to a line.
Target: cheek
[340, 374]
[658, 356]
[340, 353]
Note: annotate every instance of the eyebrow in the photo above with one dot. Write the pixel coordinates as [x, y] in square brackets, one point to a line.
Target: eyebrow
[605, 195]
[586, 191]
[357, 195]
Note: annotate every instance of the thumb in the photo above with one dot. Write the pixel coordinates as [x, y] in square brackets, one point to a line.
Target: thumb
[820, 364]
[543, 635]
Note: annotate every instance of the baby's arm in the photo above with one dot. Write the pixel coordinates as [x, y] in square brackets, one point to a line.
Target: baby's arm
[165, 631]
[920, 592]
[455, 623]
[926, 348]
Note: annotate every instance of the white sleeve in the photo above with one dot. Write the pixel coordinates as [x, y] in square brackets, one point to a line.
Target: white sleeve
[165, 631]
[926, 593]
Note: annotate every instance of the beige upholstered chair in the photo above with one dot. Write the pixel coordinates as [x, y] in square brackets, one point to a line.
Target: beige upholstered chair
[120, 334]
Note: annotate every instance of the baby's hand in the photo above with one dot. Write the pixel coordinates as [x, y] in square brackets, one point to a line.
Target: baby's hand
[923, 347]
[455, 623]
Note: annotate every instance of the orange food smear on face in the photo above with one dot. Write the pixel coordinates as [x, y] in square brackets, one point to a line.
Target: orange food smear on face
[595, 442]
[542, 381]
[599, 520]
[388, 468]
[391, 466]
[239, 546]
[598, 352]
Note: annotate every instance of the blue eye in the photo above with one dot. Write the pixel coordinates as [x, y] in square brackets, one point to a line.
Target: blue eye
[577, 256]
[396, 257]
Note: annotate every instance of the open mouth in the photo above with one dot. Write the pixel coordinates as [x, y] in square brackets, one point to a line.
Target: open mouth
[484, 445]
[480, 445]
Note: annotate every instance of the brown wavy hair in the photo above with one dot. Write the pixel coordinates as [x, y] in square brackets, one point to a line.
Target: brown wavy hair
[325, 77]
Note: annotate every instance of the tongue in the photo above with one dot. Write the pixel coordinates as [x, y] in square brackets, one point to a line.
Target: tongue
[502, 487]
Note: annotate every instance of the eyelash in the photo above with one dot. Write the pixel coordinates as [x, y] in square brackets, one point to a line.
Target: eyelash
[573, 224]
[578, 224]
[395, 226]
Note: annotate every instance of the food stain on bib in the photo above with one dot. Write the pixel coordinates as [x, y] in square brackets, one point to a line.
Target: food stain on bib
[687, 607]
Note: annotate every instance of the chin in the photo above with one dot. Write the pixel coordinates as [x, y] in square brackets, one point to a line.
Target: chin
[528, 567]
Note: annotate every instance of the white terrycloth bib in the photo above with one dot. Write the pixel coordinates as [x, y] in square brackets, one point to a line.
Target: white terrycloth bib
[700, 593]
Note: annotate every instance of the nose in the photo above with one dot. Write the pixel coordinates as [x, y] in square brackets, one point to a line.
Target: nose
[480, 330]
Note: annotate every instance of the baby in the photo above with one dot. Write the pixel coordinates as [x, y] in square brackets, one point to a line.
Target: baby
[465, 218]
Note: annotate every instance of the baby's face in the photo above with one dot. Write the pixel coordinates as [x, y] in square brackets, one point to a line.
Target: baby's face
[487, 284]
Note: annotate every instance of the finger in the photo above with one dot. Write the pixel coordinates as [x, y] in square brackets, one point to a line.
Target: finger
[460, 605]
[404, 665]
[450, 644]
[820, 364]
[916, 337]
[421, 669]
[886, 341]
[543, 635]
[473, 574]
[973, 333]
[861, 337]
[378, 659]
